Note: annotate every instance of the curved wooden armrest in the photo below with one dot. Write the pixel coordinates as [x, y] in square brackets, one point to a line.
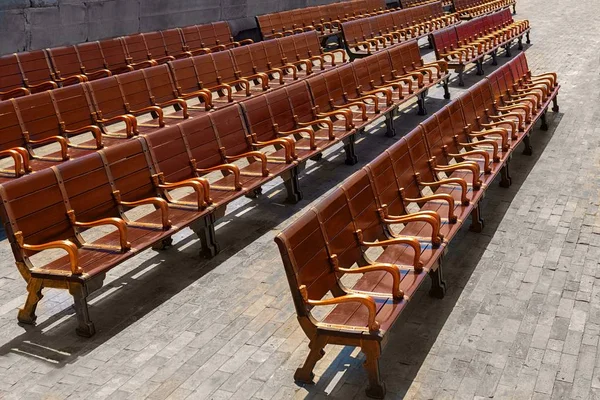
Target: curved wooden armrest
[307, 65]
[430, 217]
[465, 165]
[407, 240]
[157, 202]
[458, 54]
[99, 74]
[346, 114]
[96, 132]
[361, 105]
[391, 269]
[482, 153]
[64, 146]
[448, 181]
[150, 109]
[262, 77]
[199, 51]
[17, 160]
[243, 82]
[160, 60]
[325, 121]
[71, 80]
[204, 94]
[180, 102]
[143, 64]
[363, 299]
[492, 132]
[514, 128]
[130, 121]
[199, 186]
[492, 143]
[522, 107]
[288, 144]
[48, 85]
[518, 116]
[404, 79]
[231, 168]
[244, 42]
[116, 222]
[252, 154]
[291, 67]
[226, 87]
[17, 92]
[308, 130]
[439, 196]
[387, 92]
[66, 245]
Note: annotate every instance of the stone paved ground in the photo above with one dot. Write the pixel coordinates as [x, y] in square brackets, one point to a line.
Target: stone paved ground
[521, 318]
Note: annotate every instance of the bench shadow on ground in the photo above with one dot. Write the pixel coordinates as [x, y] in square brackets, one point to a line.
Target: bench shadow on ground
[152, 282]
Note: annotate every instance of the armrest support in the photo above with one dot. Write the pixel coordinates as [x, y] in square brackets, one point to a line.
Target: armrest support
[482, 153]
[14, 93]
[363, 299]
[130, 121]
[157, 202]
[439, 196]
[471, 167]
[200, 187]
[64, 152]
[391, 269]
[116, 222]
[287, 143]
[325, 121]
[448, 181]
[252, 154]
[231, 168]
[430, 218]
[101, 73]
[150, 109]
[96, 132]
[17, 160]
[66, 245]
[308, 130]
[410, 241]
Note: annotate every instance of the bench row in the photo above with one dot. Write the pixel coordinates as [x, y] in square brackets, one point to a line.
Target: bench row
[468, 9]
[408, 204]
[106, 110]
[471, 41]
[218, 157]
[367, 35]
[38, 70]
[325, 19]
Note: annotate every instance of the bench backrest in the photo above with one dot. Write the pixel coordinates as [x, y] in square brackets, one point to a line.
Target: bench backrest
[107, 97]
[231, 130]
[131, 170]
[12, 133]
[65, 61]
[35, 67]
[115, 54]
[73, 106]
[35, 207]
[202, 142]
[170, 154]
[91, 56]
[136, 48]
[11, 77]
[444, 40]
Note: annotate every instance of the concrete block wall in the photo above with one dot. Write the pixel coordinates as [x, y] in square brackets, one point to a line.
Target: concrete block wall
[35, 24]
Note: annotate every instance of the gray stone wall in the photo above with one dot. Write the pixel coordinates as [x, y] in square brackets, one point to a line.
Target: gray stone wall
[35, 24]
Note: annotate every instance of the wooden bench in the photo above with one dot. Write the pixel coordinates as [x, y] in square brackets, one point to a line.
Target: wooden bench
[409, 202]
[325, 19]
[366, 36]
[467, 9]
[471, 41]
[35, 71]
[415, 3]
[25, 73]
[395, 75]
